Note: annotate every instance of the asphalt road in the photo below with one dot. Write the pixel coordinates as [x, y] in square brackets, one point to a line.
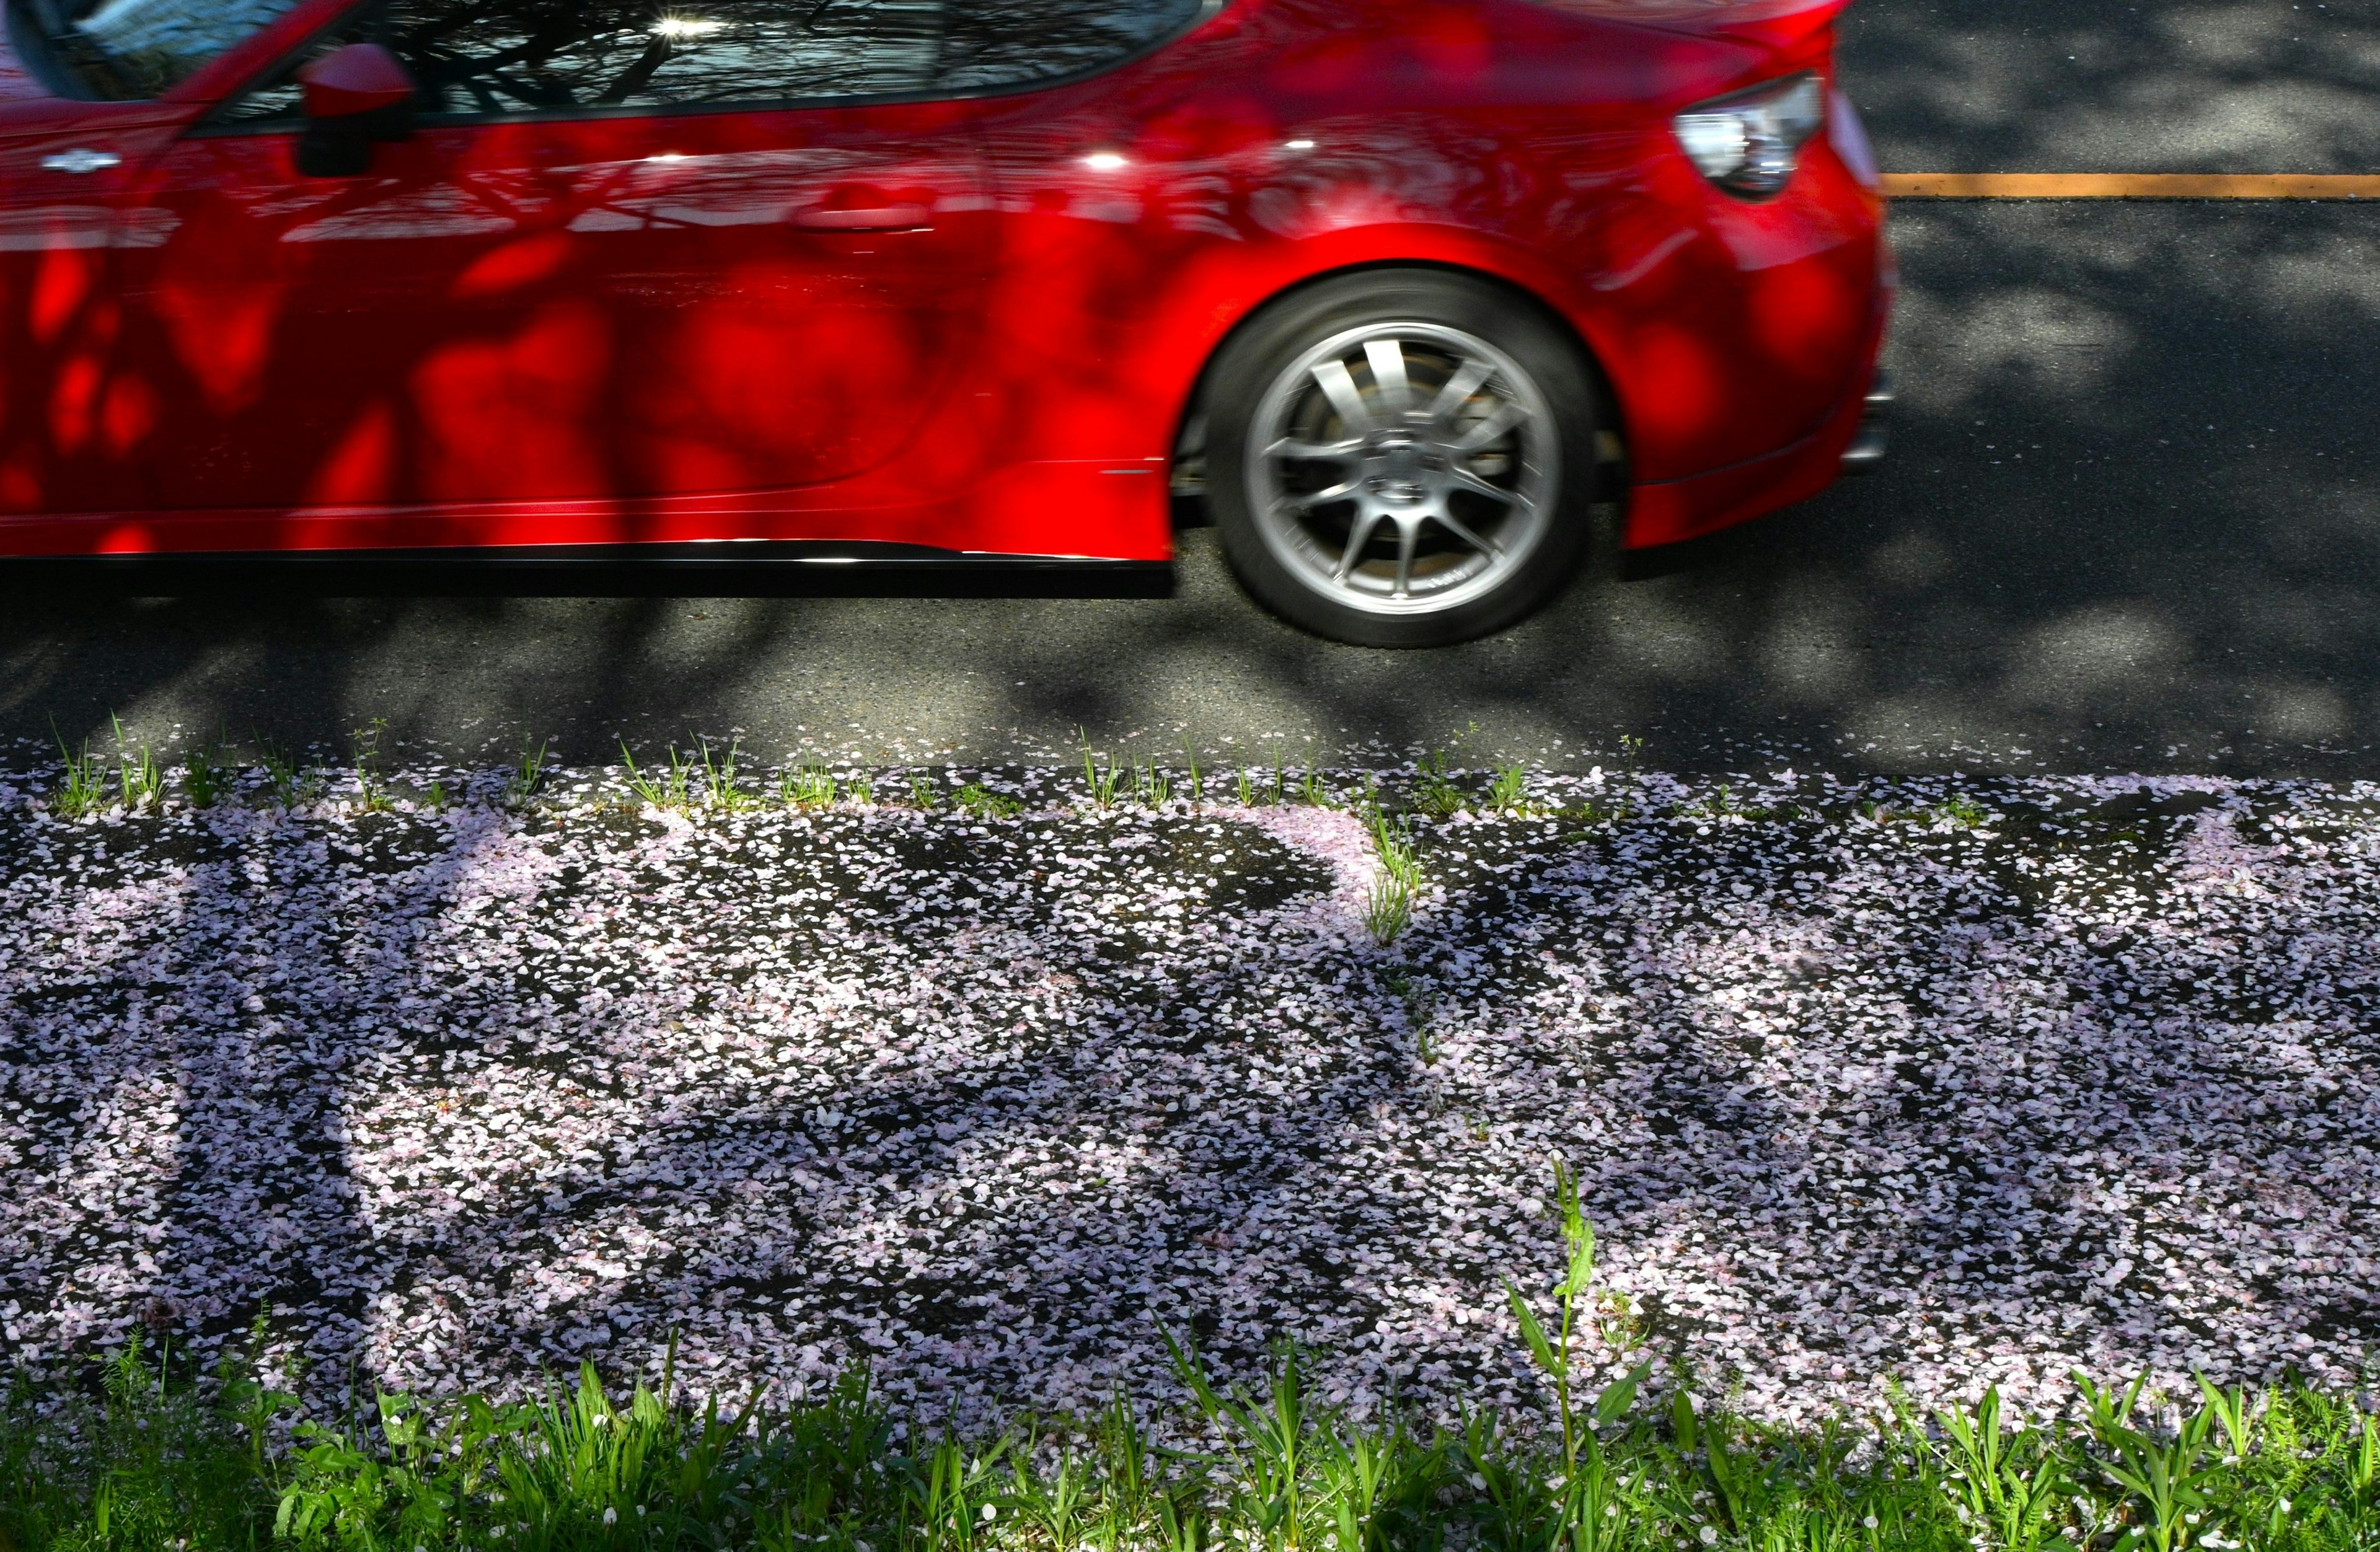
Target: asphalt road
[2131, 520]
[2115, 85]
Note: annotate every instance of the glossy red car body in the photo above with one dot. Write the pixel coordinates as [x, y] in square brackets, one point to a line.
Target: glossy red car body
[976, 325]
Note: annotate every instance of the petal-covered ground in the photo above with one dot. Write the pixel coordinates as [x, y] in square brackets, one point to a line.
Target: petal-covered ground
[1942, 1082]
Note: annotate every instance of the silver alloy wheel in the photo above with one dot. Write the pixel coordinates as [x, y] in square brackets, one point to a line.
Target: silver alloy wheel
[1400, 468]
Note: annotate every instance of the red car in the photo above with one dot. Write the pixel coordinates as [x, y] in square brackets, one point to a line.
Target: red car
[1428, 299]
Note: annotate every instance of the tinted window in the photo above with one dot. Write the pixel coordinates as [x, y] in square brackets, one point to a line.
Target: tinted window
[485, 58]
[119, 49]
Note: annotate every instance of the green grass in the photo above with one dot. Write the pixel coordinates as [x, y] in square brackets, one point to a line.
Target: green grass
[141, 781]
[1100, 774]
[809, 783]
[1433, 794]
[1510, 792]
[655, 787]
[979, 802]
[203, 781]
[527, 779]
[153, 1461]
[150, 1458]
[290, 784]
[82, 787]
[723, 780]
[371, 783]
[705, 777]
[1396, 889]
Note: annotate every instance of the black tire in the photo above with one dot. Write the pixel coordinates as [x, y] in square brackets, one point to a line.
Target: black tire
[1402, 467]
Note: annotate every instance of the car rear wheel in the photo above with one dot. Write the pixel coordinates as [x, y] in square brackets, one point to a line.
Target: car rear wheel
[1402, 458]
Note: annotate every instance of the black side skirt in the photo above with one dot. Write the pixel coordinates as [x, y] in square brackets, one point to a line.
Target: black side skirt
[759, 568]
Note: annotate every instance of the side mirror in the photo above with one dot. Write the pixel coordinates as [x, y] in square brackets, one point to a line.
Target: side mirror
[353, 96]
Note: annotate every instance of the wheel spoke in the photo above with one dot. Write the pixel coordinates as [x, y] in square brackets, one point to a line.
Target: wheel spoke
[1322, 451]
[1388, 358]
[1470, 482]
[1408, 534]
[1502, 419]
[1340, 385]
[1459, 389]
[1291, 502]
[1461, 530]
[1358, 534]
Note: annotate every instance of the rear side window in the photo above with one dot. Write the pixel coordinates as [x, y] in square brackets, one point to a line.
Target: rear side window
[482, 59]
[117, 50]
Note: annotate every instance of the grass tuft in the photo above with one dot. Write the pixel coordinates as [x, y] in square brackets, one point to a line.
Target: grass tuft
[1509, 793]
[979, 802]
[1962, 812]
[657, 788]
[723, 782]
[1388, 908]
[141, 782]
[809, 785]
[1098, 778]
[1396, 889]
[371, 786]
[289, 784]
[203, 781]
[527, 777]
[82, 788]
[1433, 794]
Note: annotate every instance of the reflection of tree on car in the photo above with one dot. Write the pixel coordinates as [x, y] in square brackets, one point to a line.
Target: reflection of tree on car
[1421, 302]
[509, 55]
[131, 48]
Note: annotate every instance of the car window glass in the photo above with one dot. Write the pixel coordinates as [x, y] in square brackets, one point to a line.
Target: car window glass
[1013, 43]
[117, 50]
[507, 58]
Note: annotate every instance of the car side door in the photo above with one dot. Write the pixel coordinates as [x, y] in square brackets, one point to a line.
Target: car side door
[68, 422]
[621, 257]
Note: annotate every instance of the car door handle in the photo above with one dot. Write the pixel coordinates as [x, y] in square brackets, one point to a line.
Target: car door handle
[82, 160]
[879, 218]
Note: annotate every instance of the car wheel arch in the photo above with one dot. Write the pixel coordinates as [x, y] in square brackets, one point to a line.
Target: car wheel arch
[1187, 435]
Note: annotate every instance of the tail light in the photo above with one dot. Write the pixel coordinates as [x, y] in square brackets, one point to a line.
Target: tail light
[1749, 143]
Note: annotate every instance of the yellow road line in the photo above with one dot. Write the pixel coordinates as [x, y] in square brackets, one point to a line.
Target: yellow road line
[2131, 185]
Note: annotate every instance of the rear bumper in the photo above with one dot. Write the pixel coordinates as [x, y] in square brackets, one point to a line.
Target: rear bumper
[1850, 439]
[1865, 454]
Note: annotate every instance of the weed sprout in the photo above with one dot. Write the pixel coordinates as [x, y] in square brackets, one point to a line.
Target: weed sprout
[139, 780]
[979, 802]
[723, 786]
[527, 777]
[1395, 890]
[291, 785]
[1100, 779]
[809, 785]
[202, 780]
[372, 788]
[82, 789]
[1433, 794]
[1509, 793]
